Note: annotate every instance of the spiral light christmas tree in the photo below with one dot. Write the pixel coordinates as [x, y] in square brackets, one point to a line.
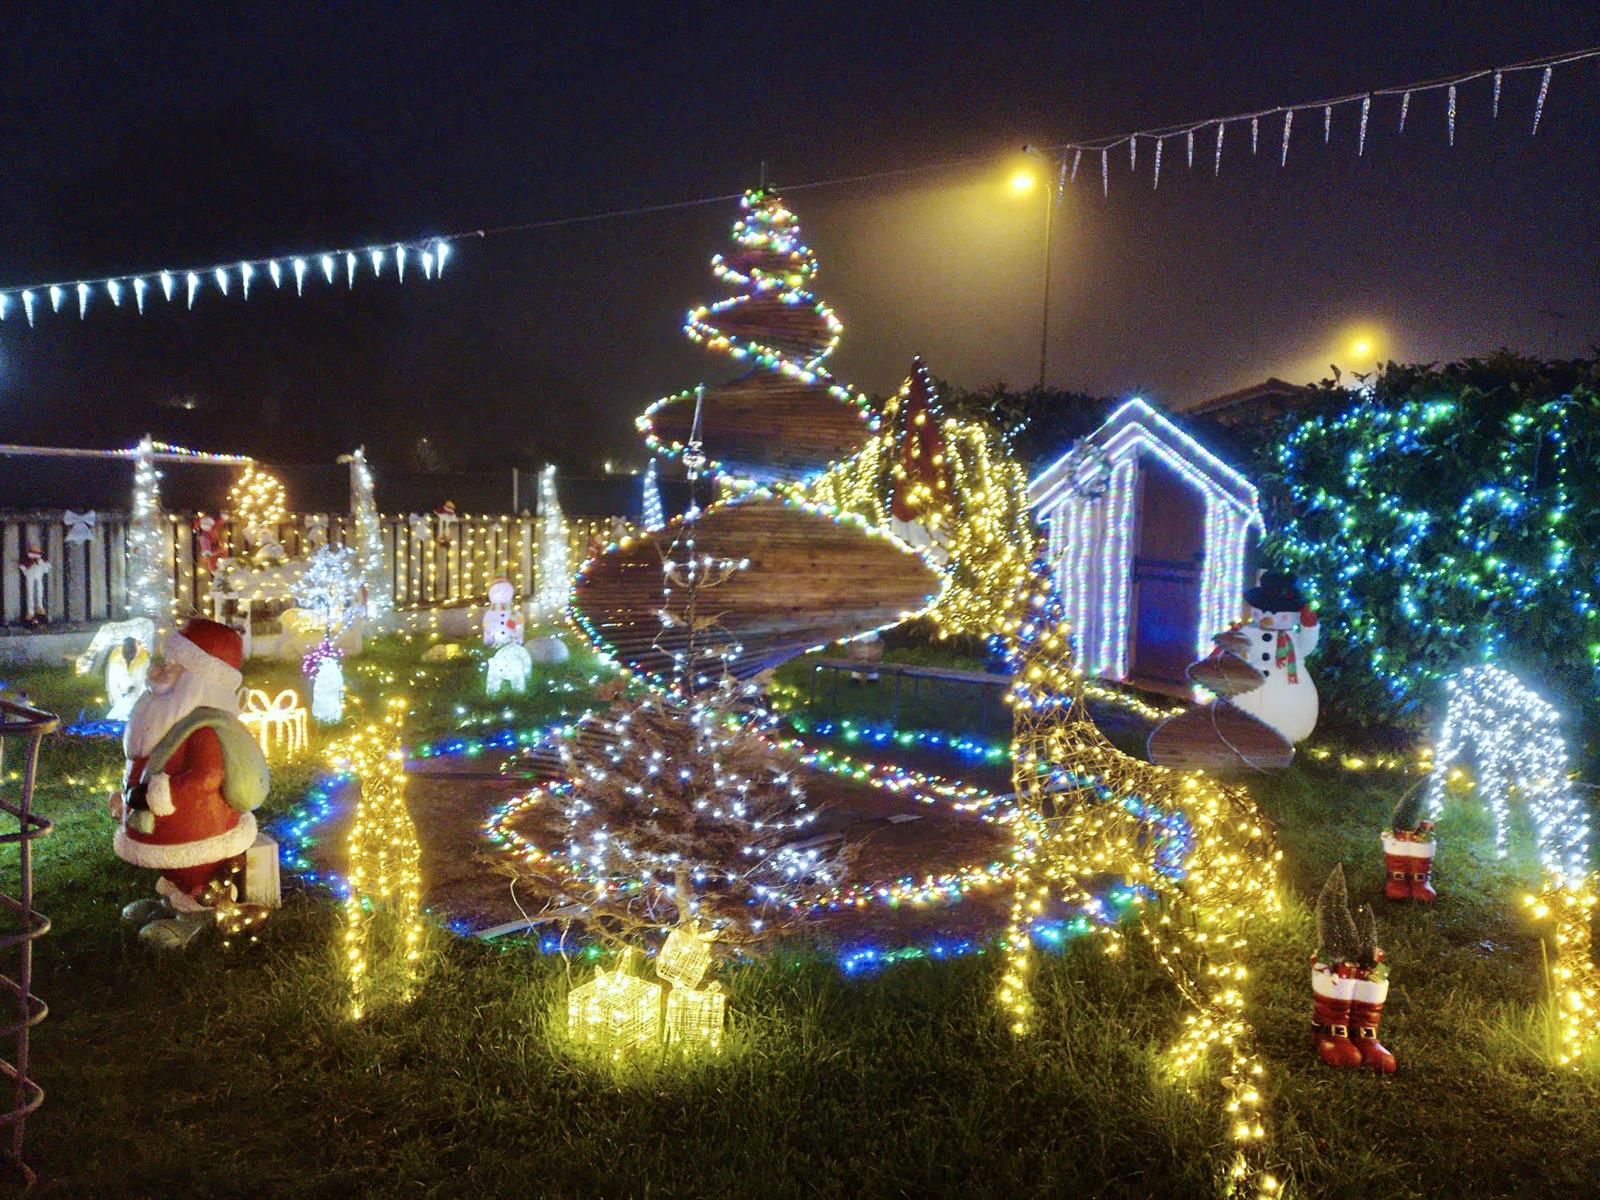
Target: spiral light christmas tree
[814, 574]
[786, 417]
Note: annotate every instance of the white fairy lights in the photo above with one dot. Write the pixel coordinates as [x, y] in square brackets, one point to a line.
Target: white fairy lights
[653, 518]
[369, 528]
[1514, 737]
[1088, 500]
[149, 577]
[555, 565]
[1516, 745]
[1401, 94]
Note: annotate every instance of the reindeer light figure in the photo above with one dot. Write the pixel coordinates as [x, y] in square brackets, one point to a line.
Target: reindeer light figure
[1201, 859]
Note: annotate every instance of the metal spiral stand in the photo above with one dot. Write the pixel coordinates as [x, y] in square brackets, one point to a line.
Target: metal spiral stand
[16, 944]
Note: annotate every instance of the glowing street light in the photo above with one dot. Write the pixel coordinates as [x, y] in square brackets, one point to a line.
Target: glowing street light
[1023, 181]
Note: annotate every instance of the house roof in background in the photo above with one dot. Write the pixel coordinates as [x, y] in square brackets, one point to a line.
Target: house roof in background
[1268, 398]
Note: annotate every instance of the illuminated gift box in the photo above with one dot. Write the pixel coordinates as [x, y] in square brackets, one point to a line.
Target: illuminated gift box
[616, 1011]
[695, 1016]
[278, 723]
[685, 957]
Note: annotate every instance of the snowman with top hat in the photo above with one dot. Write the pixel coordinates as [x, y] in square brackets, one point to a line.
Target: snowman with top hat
[1265, 700]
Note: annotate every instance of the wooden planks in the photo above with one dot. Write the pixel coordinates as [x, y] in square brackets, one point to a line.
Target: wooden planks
[810, 581]
[767, 427]
[797, 330]
[1219, 738]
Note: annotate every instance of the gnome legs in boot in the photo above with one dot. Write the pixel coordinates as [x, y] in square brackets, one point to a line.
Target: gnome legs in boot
[1366, 1007]
[1330, 1017]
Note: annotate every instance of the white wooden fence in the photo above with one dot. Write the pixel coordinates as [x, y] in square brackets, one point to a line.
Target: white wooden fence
[432, 561]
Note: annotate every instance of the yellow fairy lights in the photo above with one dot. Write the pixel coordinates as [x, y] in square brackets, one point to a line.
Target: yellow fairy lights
[961, 487]
[685, 956]
[1574, 977]
[617, 1012]
[384, 860]
[279, 723]
[1201, 856]
[258, 506]
[695, 1017]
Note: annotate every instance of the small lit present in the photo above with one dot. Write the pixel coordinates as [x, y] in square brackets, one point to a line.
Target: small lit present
[695, 1017]
[685, 957]
[616, 1011]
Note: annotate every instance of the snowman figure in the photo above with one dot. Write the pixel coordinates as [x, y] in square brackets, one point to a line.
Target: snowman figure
[502, 624]
[1264, 699]
[1281, 631]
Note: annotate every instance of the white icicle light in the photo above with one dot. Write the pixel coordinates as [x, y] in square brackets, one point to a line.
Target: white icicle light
[114, 290]
[246, 271]
[300, 276]
[221, 277]
[83, 300]
[55, 298]
[327, 267]
[349, 269]
[192, 281]
[166, 285]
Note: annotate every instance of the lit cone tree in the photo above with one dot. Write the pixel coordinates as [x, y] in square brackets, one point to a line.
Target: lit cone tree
[786, 417]
[949, 485]
[817, 574]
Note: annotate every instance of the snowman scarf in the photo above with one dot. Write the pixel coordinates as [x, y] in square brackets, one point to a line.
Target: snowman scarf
[1285, 660]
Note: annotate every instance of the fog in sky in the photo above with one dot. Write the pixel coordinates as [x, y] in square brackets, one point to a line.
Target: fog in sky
[174, 135]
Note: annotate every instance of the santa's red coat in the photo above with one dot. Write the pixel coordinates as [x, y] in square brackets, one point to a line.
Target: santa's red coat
[202, 831]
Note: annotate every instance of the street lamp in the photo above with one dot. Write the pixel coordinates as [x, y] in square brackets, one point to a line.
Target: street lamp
[1022, 183]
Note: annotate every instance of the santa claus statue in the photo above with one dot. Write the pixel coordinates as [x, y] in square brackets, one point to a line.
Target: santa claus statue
[195, 774]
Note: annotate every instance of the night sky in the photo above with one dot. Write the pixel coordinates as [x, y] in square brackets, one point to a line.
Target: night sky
[141, 136]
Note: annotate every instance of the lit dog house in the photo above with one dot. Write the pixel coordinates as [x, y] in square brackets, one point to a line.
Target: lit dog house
[1147, 539]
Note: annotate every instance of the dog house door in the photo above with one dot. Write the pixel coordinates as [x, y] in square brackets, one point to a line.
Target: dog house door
[1168, 556]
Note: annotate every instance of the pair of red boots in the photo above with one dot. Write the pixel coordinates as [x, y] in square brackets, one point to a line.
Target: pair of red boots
[1409, 864]
[1346, 1010]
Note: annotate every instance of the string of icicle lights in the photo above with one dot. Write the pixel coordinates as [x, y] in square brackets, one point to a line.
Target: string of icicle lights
[231, 278]
[429, 254]
[1071, 154]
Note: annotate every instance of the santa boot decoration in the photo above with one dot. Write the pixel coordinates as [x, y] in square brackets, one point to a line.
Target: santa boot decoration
[1408, 848]
[1330, 1016]
[1350, 982]
[1422, 875]
[1397, 872]
[1365, 1011]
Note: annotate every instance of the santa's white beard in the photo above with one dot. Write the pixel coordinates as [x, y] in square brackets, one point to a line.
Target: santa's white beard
[157, 711]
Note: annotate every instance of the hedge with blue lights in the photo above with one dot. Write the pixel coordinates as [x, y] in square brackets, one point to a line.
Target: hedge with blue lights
[1450, 515]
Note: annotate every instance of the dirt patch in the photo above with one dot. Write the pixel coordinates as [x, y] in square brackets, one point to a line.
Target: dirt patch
[901, 837]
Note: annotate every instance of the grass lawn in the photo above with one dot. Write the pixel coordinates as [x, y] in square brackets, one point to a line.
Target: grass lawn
[227, 1073]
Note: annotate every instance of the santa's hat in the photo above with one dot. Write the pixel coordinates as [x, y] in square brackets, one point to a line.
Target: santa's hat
[211, 651]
